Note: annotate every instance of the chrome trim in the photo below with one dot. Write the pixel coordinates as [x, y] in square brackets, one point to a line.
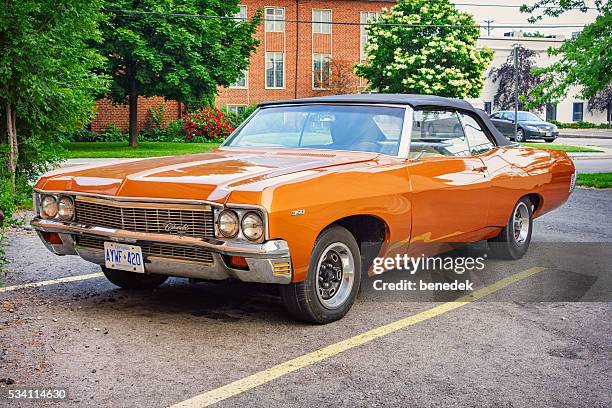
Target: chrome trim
[273, 248]
[260, 270]
[141, 199]
[406, 136]
[387, 105]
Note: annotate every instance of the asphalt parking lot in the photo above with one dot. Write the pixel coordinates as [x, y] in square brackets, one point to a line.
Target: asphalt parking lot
[110, 347]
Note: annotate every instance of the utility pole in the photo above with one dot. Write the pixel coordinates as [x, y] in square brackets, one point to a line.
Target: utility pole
[516, 89]
[489, 27]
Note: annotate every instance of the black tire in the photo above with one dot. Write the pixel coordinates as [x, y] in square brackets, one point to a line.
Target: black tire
[520, 136]
[304, 300]
[507, 245]
[131, 280]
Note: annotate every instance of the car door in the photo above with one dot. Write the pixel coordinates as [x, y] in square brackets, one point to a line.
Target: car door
[498, 121]
[508, 124]
[449, 187]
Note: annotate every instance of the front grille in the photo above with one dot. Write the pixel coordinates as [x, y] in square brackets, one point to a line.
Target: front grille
[155, 249]
[192, 220]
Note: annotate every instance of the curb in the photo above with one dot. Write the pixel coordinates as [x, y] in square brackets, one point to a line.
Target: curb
[592, 136]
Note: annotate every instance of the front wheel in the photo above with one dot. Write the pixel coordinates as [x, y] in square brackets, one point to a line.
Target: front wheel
[333, 279]
[131, 280]
[513, 241]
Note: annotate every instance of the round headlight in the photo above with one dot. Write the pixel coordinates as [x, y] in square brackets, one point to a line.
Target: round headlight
[48, 207]
[252, 226]
[228, 223]
[65, 208]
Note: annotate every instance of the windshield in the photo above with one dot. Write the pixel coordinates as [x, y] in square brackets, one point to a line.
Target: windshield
[527, 116]
[374, 129]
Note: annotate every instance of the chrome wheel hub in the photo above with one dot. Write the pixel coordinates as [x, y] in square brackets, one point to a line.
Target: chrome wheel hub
[335, 275]
[520, 222]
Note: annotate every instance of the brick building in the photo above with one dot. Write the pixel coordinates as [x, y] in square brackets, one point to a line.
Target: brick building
[293, 59]
[297, 60]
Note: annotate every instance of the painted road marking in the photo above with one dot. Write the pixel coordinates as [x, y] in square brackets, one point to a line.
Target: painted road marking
[277, 371]
[52, 282]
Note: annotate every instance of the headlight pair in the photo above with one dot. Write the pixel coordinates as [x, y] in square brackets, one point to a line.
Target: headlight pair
[230, 225]
[57, 207]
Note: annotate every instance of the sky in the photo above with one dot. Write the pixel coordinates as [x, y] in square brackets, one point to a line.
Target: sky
[513, 16]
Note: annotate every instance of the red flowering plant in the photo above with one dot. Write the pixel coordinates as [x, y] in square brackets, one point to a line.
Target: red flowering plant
[207, 125]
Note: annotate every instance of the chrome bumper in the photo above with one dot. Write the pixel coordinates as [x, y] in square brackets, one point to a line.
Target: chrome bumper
[268, 262]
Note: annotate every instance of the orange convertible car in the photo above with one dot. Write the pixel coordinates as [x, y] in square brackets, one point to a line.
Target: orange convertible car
[304, 194]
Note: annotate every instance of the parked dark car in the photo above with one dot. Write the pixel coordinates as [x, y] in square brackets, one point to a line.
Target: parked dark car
[530, 126]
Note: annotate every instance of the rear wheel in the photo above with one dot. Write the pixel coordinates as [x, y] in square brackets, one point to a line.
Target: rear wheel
[131, 280]
[520, 136]
[333, 280]
[513, 241]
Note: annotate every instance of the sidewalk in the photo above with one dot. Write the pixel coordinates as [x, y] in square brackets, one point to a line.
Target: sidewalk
[586, 133]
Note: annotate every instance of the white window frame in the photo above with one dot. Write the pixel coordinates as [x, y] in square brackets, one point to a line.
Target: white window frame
[274, 23]
[319, 57]
[245, 75]
[233, 108]
[319, 24]
[274, 69]
[364, 17]
[242, 14]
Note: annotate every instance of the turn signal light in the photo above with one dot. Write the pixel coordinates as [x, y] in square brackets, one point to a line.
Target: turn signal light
[52, 238]
[238, 262]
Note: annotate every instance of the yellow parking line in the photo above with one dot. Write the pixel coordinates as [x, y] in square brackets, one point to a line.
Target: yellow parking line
[52, 282]
[277, 371]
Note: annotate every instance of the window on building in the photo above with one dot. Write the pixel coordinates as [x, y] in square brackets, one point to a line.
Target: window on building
[321, 21]
[242, 81]
[275, 19]
[242, 14]
[578, 112]
[275, 70]
[366, 17]
[236, 109]
[488, 106]
[321, 71]
[551, 111]
[437, 133]
[477, 139]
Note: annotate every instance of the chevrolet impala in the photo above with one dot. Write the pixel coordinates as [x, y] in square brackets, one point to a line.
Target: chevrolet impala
[304, 195]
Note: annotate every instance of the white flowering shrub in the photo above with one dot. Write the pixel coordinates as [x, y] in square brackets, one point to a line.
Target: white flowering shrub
[438, 56]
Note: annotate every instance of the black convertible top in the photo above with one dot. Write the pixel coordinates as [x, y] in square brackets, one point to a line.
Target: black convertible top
[415, 101]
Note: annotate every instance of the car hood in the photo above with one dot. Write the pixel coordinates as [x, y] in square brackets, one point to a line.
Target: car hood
[207, 176]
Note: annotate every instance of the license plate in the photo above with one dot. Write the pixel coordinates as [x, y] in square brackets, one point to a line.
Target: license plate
[123, 257]
[548, 133]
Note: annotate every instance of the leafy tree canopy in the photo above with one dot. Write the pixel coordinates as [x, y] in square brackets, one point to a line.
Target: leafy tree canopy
[47, 84]
[439, 57]
[504, 77]
[152, 52]
[584, 61]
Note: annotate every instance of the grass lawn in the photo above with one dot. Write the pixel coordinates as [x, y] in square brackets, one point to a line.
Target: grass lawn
[597, 180]
[565, 148]
[77, 150]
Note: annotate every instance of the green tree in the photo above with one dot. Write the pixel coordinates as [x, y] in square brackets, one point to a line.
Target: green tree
[47, 84]
[437, 55]
[153, 50]
[584, 61]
